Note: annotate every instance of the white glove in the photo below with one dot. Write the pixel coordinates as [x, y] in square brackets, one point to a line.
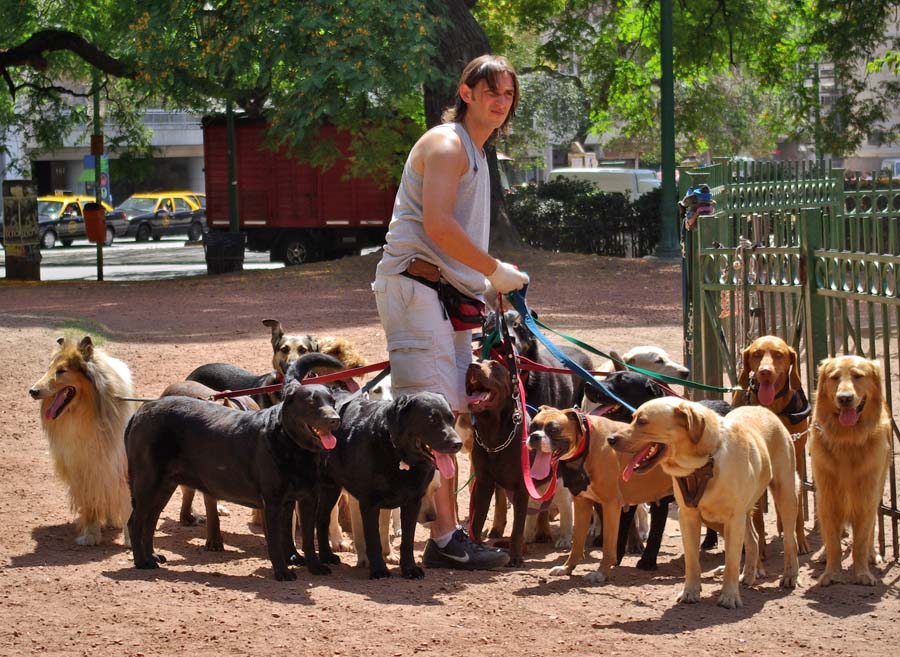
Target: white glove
[507, 278]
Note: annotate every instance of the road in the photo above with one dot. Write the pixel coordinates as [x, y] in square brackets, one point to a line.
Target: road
[171, 257]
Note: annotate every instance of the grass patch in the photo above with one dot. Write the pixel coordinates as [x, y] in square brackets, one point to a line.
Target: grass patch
[78, 328]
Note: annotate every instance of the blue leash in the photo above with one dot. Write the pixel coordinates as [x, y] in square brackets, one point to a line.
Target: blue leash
[517, 298]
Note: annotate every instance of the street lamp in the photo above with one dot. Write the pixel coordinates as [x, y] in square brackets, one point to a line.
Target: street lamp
[208, 20]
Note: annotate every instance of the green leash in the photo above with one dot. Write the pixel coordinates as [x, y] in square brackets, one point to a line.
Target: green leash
[652, 375]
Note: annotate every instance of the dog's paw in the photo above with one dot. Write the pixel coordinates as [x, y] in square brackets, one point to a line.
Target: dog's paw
[788, 581]
[330, 558]
[709, 543]
[215, 545]
[362, 562]
[190, 520]
[88, 537]
[392, 558]
[147, 564]
[875, 558]
[864, 578]
[830, 577]
[495, 532]
[413, 572]
[285, 575]
[597, 577]
[296, 559]
[730, 599]
[634, 547]
[802, 545]
[515, 562]
[564, 543]
[223, 510]
[558, 571]
[379, 573]
[318, 569]
[646, 563]
[689, 595]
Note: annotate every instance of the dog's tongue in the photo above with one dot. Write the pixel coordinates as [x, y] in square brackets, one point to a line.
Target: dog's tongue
[629, 469]
[848, 417]
[477, 398]
[445, 465]
[540, 469]
[328, 439]
[56, 406]
[766, 393]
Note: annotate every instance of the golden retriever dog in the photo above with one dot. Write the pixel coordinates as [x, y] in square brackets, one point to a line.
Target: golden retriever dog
[720, 467]
[593, 471]
[770, 375]
[850, 451]
[83, 415]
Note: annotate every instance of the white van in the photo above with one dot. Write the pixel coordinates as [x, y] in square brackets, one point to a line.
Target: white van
[631, 182]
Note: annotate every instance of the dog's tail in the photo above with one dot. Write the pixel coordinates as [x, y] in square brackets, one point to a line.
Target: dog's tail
[314, 361]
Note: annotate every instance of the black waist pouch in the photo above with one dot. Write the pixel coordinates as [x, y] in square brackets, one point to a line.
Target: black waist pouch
[464, 312]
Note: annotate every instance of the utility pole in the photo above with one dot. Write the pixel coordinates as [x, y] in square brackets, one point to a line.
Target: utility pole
[668, 246]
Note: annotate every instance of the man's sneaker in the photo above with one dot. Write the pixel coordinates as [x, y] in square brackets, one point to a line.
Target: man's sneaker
[461, 552]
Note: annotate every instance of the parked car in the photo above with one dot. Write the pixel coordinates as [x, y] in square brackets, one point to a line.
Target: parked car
[631, 182]
[61, 219]
[164, 213]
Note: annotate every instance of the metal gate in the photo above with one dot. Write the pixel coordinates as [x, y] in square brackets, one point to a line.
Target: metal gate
[798, 251]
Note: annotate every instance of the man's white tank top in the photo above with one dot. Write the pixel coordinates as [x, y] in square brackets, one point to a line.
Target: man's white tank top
[406, 238]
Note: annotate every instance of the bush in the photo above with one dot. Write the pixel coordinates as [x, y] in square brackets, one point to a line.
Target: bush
[571, 215]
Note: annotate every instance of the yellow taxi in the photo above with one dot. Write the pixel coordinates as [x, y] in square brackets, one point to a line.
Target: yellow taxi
[61, 219]
[164, 213]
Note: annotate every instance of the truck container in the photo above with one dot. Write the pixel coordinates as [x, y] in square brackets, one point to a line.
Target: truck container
[297, 212]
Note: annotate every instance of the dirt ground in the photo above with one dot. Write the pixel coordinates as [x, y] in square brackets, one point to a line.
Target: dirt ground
[58, 598]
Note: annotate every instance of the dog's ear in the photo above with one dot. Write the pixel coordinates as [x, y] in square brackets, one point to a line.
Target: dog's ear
[694, 421]
[277, 331]
[394, 416]
[744, 377]
[60, 340]
[575, 416]
[617, 363]
[86, 347]
[796, 382]
[653, 388]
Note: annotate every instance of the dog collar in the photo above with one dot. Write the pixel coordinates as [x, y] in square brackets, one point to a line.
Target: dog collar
[694, 485]
[585, 437]
[798, 409]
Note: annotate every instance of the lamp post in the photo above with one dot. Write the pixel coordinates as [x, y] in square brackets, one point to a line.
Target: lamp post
[209, 18]
[668, 244]
[224, 251]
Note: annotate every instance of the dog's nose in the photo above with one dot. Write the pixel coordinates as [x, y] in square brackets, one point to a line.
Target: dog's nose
[612, 440]
[535, 439]
[334, 422]
[845, 398]
[34, 392]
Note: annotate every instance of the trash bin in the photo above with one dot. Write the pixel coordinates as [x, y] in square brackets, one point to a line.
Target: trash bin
[95, 222]
[224, 251]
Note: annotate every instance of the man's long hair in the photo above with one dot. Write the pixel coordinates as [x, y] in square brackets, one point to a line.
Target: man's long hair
[488, 68]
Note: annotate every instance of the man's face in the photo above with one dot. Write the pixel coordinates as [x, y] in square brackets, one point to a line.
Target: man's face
[490, 105]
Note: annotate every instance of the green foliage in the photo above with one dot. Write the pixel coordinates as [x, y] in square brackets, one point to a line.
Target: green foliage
[571, 215]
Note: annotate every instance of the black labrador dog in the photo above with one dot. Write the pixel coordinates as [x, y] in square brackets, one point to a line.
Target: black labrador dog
[635, 389]
[385, 456]
[222, 376]
[265, 459]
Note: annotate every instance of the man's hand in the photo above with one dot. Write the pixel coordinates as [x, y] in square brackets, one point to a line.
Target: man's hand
[507, 278]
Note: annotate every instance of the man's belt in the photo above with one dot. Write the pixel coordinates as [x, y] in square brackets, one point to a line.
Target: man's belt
[423, 272]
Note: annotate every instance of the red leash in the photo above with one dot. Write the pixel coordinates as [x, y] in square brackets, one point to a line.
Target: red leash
[343, 375]
[529, 365]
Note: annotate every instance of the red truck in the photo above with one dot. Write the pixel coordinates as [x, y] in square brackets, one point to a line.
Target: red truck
[295, 211]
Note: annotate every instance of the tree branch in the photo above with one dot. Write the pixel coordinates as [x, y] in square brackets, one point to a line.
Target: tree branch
[32, 51]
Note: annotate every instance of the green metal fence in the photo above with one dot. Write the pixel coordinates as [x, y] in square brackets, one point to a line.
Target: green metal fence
[796, 251]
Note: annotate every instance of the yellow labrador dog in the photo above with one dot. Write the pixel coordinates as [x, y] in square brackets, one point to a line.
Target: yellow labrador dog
[850, 451]
[720, 467]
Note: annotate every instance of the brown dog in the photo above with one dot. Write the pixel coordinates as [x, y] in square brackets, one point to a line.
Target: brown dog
[719, 467]
[771, 377]
[582, 442]
[850, 450]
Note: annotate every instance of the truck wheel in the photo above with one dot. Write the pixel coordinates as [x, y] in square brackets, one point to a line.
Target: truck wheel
[48, 240]
[296, 250]
[143, 233]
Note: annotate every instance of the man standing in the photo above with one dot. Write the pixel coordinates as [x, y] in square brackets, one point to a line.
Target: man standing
[439, 230]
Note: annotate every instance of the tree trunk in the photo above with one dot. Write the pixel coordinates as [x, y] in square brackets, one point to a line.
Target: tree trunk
[461, 41]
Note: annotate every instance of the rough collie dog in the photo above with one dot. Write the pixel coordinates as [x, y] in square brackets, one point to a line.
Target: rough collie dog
[84, 417]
